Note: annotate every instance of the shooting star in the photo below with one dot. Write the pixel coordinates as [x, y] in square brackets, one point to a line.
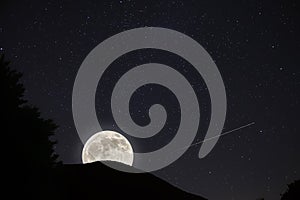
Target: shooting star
[224, 133]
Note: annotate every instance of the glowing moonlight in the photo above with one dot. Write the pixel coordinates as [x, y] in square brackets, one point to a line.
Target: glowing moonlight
[107, 145]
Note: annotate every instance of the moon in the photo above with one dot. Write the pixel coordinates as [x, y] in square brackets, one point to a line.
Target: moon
[107, 146]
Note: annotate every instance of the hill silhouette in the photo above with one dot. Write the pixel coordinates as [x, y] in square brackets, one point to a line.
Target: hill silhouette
[96, 180]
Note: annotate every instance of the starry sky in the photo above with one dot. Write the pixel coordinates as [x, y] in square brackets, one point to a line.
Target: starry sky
[254, 44]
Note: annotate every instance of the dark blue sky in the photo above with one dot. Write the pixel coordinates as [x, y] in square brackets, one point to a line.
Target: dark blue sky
[255, 45]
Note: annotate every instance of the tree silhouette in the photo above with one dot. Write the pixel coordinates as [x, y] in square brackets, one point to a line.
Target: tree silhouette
[292, 192]
[26, 136]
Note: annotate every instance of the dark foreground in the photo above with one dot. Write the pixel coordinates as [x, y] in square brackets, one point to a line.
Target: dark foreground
[98, 181]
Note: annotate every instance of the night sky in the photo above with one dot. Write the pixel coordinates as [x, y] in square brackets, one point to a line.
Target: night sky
[253, 43]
